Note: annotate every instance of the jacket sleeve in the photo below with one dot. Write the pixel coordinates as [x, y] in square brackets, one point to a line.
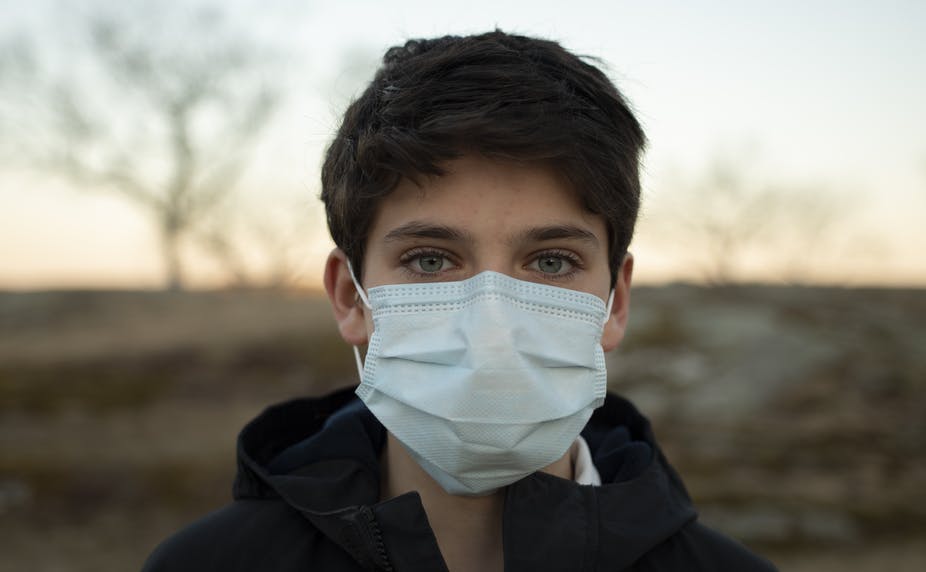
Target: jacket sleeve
[697, 548]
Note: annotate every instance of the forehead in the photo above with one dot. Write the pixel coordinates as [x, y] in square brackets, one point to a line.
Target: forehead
[487, 198]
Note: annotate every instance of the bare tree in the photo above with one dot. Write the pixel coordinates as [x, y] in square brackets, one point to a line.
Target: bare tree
[718, 222]
[160, 110]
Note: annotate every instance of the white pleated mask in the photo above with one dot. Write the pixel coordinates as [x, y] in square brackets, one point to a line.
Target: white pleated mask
[484, 381]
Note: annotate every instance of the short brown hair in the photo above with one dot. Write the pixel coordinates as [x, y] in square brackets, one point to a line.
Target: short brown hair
[498, 95]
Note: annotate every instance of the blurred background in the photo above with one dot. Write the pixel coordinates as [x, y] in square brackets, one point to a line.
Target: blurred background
[161, 244]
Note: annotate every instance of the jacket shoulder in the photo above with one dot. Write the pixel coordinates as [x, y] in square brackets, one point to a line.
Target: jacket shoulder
[696, 548]
[248, 535]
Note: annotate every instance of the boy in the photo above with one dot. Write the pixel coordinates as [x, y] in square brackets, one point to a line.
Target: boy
[482, 193]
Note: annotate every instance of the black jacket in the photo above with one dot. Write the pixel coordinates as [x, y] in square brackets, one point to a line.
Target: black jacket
[307, 498]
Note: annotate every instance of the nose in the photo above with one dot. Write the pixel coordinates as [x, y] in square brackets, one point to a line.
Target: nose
[490, 334]
[495, 262]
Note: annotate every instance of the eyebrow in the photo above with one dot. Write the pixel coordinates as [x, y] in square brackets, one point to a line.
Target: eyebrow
[558, 232]
[418, 229]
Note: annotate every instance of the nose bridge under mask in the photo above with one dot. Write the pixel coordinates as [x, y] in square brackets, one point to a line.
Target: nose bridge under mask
[364, 297]
[489, 332]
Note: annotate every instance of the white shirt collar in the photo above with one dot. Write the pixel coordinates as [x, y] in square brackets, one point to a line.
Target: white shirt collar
[583, 468]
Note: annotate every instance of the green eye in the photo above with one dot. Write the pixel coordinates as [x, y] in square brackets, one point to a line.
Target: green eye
[550, 264]
[431, 263]
[555, 264]
[427, 263]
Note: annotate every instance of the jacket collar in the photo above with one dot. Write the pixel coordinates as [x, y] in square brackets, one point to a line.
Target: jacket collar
[321, 456]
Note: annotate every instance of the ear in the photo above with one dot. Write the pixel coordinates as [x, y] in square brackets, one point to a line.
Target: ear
[348, 308]
[617, 322]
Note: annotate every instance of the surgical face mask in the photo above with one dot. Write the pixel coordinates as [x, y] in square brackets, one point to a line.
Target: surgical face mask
[484, 381]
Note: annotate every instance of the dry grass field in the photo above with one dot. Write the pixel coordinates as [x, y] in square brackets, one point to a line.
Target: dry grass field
[795, 415]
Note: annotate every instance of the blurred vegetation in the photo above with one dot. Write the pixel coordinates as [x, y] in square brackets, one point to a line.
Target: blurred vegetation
[163, 105]
[794, 414]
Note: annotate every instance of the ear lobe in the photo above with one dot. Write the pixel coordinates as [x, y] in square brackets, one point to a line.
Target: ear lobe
[616, 325]
[349, 311]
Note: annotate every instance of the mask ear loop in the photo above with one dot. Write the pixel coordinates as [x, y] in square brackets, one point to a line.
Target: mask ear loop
[359, 363]
[607, 310]
[366, 302]
[363, 295]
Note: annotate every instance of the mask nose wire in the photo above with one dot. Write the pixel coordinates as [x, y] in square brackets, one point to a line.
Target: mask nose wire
[366, 302]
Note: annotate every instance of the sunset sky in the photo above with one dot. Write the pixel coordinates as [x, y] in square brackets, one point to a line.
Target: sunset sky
[823, 100]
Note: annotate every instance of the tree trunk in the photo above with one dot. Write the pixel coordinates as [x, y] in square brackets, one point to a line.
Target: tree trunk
[170, 254]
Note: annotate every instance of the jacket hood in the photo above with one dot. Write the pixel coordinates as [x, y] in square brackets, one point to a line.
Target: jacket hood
[321, 456]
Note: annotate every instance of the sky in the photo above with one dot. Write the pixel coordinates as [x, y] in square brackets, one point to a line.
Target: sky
[821, 99]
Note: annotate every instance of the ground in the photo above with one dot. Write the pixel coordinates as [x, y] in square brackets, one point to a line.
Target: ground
[793, 414]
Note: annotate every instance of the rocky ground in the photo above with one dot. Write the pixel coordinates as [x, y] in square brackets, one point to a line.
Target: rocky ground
[794, 414]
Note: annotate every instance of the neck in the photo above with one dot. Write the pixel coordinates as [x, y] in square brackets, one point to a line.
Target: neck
[468, 529]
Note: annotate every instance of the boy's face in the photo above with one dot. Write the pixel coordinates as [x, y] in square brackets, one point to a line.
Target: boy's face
[519, 220]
